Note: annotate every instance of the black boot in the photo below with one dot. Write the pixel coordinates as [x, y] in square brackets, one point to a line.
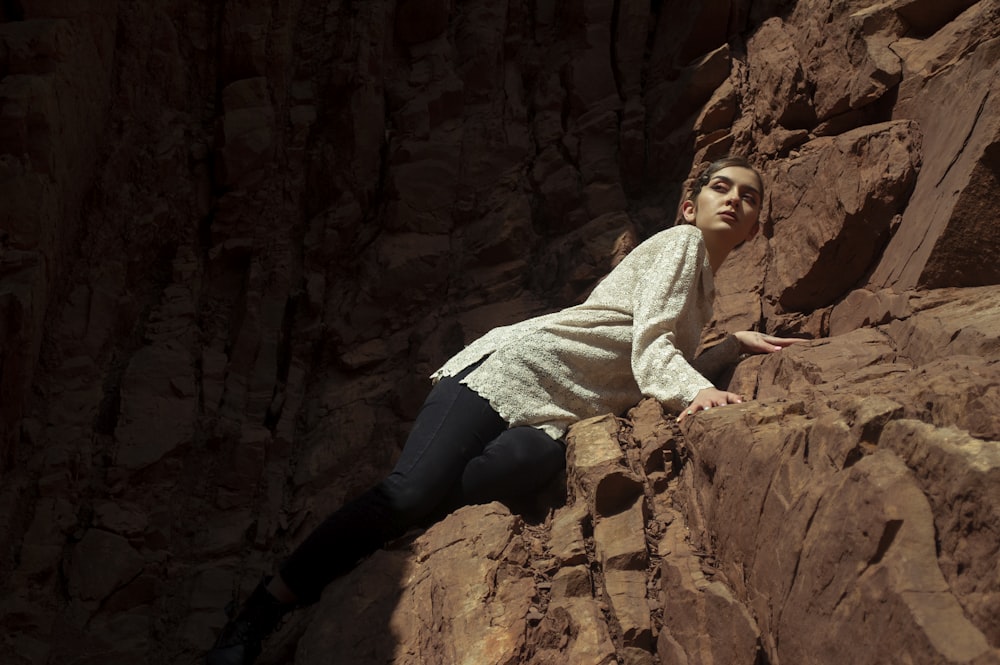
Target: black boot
[239, 642]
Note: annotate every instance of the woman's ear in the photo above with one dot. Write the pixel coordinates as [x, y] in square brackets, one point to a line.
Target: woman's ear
[688, 210]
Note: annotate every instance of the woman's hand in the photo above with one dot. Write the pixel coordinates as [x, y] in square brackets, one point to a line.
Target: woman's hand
[752, 341]
[707, 398]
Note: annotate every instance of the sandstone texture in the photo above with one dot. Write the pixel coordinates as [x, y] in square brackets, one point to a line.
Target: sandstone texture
[236, 237]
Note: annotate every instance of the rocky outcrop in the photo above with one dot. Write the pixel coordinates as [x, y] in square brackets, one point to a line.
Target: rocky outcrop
[855, 497]
[235, 239]
[846, 499]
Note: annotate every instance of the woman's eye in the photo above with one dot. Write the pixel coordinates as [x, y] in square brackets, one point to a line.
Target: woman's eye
[750, 198]
[719, 187]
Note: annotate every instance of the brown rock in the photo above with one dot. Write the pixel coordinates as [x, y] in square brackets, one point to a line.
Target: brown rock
[630, 42]
[45, 539]
[408, 262]
[233, 242]
[421, 21]
[790, 106]
[674, 100]
[248, 128]
[101, 563]
[566, 536]
[683, 37]
[462, 586]
[882, 552]
[587, 640]
[620, 540]
[718, 114]
[573, 582]
[957, 473]
[863, 308]
[926, 17]
[865, 447]
[945, 201]
[949, 323]
[702, 621]
[424, 181]
[591, 450]
[849, 61]
[49, 153]
[158, 385]
[842, 226]
[626, 593]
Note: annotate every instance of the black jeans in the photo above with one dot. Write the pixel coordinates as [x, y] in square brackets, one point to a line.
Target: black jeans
[460, 451]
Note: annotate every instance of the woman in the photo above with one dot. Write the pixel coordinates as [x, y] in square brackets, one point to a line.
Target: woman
[491, 426]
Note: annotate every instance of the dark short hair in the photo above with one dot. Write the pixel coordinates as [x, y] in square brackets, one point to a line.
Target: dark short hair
[718, 165]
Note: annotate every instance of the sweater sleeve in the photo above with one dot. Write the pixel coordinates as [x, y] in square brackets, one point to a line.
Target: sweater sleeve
[715, 360]
[664, 294]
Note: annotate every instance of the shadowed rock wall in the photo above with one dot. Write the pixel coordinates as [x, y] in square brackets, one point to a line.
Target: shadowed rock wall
[234, 240]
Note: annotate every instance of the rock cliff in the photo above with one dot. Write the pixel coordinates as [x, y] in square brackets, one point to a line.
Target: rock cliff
[236, 237]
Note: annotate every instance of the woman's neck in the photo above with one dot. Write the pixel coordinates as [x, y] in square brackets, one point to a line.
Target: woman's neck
[717, 252]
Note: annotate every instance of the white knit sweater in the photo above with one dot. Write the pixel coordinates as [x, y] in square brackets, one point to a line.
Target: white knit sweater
[634, 337]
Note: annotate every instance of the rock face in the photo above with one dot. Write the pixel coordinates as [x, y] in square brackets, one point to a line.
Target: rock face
[235, 239]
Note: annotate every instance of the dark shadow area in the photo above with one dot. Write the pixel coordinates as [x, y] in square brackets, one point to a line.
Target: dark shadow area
[351, 623]
[11, 10]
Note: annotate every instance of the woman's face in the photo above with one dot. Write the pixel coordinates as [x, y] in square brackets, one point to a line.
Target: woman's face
[728, 207]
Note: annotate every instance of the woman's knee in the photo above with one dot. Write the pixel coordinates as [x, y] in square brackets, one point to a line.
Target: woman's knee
[534, 447]
[522, 455]
[407, 502]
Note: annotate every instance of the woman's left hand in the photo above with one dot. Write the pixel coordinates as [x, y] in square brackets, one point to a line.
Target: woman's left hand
[752, 341]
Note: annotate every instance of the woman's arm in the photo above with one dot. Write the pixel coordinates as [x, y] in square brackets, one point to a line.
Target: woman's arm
[669, 305]
[714, 360]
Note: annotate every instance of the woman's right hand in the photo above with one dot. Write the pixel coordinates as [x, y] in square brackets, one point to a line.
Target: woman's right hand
[752, 341]
[706, 399]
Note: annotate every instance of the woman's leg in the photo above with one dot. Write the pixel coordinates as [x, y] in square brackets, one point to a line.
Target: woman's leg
[514, 466]
[454, 426]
